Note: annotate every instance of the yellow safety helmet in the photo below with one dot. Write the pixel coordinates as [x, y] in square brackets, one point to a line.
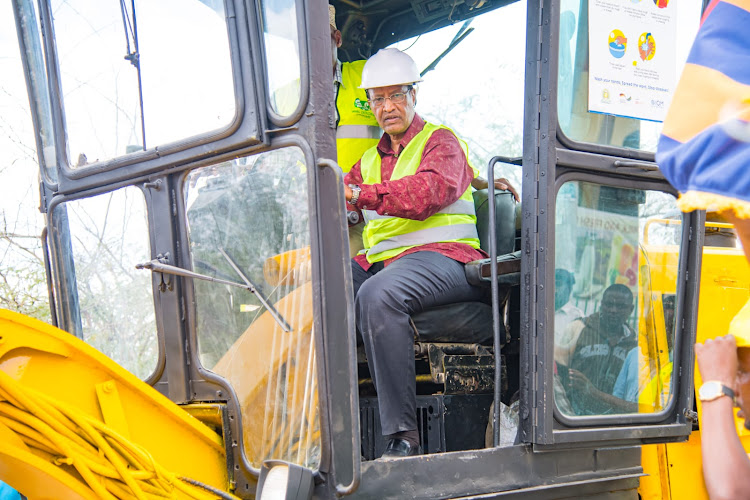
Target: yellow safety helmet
[740, 326]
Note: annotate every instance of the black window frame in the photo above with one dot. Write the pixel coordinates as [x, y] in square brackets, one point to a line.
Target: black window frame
[548, 162]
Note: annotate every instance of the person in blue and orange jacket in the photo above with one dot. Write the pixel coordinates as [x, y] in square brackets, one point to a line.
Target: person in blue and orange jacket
[704, 151]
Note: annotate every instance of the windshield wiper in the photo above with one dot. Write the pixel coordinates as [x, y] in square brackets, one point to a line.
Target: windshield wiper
[157, 266]
[131, 30]
[462, 33]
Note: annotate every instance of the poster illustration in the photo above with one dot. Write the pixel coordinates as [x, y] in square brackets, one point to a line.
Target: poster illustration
[632, 57]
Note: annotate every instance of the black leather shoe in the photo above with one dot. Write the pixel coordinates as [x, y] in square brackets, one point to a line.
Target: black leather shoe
[397, 448]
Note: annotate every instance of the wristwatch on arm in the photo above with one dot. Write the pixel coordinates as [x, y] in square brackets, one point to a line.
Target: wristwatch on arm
[713, 390]
[355, 194]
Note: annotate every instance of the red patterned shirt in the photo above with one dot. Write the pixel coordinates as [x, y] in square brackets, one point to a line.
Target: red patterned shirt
[442, 177]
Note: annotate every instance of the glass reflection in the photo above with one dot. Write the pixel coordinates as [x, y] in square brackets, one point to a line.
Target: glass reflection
[616, 267]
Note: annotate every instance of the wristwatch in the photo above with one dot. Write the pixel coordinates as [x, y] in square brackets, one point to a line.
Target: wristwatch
[714, 389]
[355, 194]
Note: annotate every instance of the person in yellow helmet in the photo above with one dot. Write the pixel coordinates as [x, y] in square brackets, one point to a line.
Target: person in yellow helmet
[724, 364]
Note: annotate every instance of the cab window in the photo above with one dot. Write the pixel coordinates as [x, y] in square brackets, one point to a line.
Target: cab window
[618, 66]
[477, 92]
[248, 223]
[108, 236]
[616, 266]
[282, 55]
[131, 81]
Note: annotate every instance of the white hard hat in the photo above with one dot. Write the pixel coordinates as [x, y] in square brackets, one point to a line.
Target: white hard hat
[389, 67]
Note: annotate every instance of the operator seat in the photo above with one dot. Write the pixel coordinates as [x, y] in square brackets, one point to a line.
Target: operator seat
[471, 322]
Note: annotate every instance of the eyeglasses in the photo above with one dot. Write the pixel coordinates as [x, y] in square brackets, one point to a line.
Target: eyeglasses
[397, 98]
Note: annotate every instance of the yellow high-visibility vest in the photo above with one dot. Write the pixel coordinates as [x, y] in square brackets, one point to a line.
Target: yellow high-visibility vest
[385, 236]
[357, 129]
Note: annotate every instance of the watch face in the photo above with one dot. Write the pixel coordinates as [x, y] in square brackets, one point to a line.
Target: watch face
[709, 391]
[714, 390]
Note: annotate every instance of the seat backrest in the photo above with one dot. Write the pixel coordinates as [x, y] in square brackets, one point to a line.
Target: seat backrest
[505, 224]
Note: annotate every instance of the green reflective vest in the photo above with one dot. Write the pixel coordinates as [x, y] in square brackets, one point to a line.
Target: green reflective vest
[385, 236]
[357, 129]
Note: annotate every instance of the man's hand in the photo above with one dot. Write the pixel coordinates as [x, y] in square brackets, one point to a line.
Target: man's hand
[717, 359]
[501, 184]
[347, 192]
[505, 185]
[581, 382]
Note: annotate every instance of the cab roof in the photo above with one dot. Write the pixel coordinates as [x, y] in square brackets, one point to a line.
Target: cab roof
[369, 25]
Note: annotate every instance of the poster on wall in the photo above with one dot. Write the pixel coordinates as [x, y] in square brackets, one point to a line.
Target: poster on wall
[632, 57]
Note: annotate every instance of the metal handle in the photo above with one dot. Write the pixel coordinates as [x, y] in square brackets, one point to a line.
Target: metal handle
[495, 296]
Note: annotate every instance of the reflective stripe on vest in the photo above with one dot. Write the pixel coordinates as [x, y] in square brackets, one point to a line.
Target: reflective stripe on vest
[454, 232]
[386, 236]
[357, 129]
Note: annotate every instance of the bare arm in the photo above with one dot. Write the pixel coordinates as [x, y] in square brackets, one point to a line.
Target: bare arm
[503, 184]
[726, 467]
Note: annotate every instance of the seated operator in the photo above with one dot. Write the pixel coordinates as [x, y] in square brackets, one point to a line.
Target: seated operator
[414, 192]
[595, 357]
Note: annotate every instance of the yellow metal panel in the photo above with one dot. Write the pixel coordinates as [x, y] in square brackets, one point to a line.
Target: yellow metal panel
[654, 486]
[112, 411]
[685, 469]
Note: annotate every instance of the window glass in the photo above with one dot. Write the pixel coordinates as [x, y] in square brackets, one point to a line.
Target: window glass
[253, 211]
[282, 54]
[475, 91]
[109, 236]
[185, 80]
[677, 24]
[616, 260]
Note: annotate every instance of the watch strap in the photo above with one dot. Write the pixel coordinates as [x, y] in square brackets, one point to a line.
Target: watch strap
[724, 391]
[356, 190]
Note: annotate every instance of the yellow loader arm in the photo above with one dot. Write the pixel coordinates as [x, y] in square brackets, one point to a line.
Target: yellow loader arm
[75, 425]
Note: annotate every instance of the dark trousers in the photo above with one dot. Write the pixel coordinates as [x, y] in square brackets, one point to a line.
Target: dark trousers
[384, 298]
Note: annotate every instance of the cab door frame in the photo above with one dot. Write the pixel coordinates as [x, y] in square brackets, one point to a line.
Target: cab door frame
[158, 172]
[549, 160]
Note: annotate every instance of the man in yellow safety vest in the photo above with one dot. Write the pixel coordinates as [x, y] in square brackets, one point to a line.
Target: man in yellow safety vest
[357, 129]
[414, 192]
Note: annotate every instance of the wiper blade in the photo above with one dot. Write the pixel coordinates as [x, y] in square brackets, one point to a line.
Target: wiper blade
[460, 36]
[253, 289]
[157, 266]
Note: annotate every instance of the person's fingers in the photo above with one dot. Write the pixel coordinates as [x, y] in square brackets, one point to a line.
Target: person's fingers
[507, 186]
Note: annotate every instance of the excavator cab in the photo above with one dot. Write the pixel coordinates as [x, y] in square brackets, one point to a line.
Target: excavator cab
[197, 240]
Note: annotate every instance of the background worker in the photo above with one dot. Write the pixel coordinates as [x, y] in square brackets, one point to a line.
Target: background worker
[414, 191]
[596, 356]
[357, 130]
